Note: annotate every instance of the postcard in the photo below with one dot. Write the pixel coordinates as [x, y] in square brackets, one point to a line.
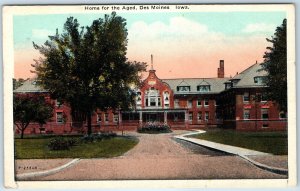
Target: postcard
[149, 96]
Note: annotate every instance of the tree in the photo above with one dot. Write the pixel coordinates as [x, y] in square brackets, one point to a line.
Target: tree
[87, 67]
[275, 64]
[30, 108]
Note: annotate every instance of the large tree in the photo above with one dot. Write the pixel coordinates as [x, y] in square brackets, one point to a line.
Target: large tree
[87, 67]
[275, 64]
[30, 108]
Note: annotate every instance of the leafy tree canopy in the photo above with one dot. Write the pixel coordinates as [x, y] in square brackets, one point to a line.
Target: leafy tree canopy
[87, 66]
[30, 108]
[275, 64]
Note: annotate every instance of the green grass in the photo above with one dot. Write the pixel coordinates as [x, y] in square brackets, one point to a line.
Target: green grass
[36, 148]
[270, 142]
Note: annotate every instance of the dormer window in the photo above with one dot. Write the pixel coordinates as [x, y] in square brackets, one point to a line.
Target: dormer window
[259, 79]
[203, 88]
[183, 88]
[235, 81]
[228, 85]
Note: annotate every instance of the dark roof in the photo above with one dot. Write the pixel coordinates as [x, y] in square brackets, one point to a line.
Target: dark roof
[216, 84]
[29, 86]
[246, 78]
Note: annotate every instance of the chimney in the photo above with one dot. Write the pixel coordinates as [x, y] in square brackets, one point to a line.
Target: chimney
[221, 69]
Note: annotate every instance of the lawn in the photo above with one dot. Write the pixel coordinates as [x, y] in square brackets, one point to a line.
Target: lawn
[36, 148]
[270, 142]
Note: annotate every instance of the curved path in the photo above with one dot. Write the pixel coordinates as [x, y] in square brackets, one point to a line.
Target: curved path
[161, 157]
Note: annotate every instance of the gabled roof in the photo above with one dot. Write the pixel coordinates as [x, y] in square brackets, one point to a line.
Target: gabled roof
[204, 83]
[216, 84]
[29, 86]
[246, 78]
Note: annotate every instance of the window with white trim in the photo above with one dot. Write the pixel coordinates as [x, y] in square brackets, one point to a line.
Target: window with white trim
[199, 116]
[282, 115]
[199, 103]
[166, 99]
[190, 103]
[265, 113]
[246, 114]
[259, 80]
[116, 117]
[206, 116]
[59, 117]
[99, 119]
[246, 97]
[190, 116]
[58, 103]
[106, 117]
[183, 88]
[152, 98]
[206, 102]
[176, 103]
[264, 97]
[203, 88]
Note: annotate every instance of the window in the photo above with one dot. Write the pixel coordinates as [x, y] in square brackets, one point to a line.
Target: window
[190, 103]
[175, 117]
[99, 119]
[199, 103]
[59, 117]
[203, 88]
[206, 102]
[282, 115]
[158, 100]
[246, 114]
[200, 116]
[176, 103]
[58, 103]
[116, 117]
[183, 88]
[259, 80]
[265, 126]
[264, 97]
[152, 98]
[106, 117]
[265, 113]
[191, 116]
[228, 85]
[246, 97]
[139, 98]
[152, 102]
[206, 116]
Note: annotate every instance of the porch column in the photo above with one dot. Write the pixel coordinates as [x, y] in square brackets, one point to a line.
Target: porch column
[186, 119]
[120, 118]
[165, 117]
[141, 118]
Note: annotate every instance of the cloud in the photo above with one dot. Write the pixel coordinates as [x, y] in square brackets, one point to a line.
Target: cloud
[41, 33]
[177, 27]
[190, 49]
[258, 27]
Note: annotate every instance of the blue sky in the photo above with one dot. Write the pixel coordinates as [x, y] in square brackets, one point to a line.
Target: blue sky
[181, 41]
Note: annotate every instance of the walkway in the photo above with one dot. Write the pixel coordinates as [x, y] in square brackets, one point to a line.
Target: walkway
[161, 157]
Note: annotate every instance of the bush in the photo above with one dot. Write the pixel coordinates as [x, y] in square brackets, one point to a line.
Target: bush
[154, 127]
[60, 143]
[98, 136]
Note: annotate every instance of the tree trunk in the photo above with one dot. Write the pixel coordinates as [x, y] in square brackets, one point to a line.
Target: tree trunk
[89, 123]
[22, 133]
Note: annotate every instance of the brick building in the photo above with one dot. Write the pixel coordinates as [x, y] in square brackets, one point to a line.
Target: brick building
[183, 103]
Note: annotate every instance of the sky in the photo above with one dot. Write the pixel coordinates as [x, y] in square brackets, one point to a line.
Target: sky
[183, 44]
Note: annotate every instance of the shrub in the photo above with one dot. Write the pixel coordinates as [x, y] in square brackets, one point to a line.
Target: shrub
[60, 143]
[98, 136]
[154, 127]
